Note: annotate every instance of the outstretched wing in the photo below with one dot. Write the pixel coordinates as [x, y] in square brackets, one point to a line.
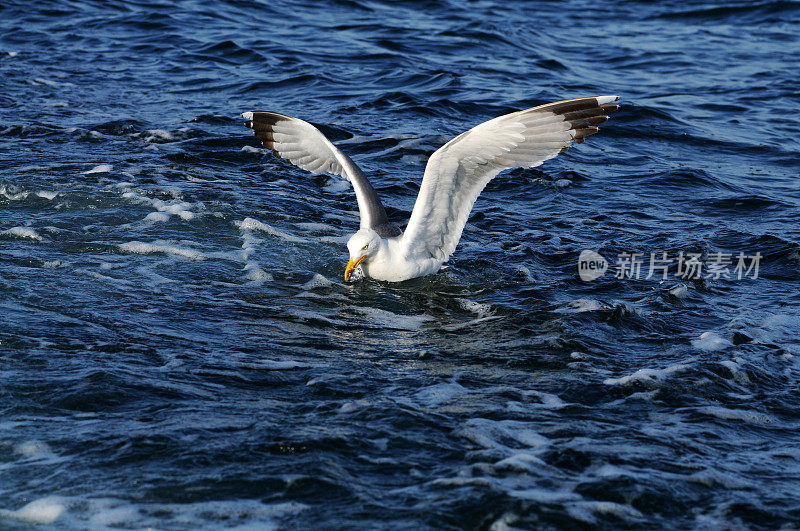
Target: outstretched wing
[305, 146]
[458, 171]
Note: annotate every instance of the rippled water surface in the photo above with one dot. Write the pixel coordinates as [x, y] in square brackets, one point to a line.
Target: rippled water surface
[177, 348]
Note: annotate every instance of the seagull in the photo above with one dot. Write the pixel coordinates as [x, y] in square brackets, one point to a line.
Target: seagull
[455, 175]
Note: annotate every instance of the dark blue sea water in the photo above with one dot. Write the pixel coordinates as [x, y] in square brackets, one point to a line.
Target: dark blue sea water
[178, 350]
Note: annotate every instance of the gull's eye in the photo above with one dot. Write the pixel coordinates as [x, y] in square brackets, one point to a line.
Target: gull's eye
[365, 247]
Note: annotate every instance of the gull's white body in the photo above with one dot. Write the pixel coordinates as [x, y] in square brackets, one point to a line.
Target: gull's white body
[391, 261]
[454, 177]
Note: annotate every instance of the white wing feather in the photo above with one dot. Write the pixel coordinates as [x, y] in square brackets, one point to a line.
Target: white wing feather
[458, 171]
[305, 146]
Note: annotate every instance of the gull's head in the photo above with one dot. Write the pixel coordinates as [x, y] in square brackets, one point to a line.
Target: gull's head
[362, 245]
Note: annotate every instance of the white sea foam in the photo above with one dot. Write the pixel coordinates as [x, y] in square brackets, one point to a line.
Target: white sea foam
[608, 471]
[251, 149]
[38, 167]
[137, 247]
[337, 240]
[499, 434]
[479, 308]
[715, 478]
[115, 516]
[645, 396]
[680, 291]
[353, 405]
[156, 135]
[586, 510]
[546, 400]
[438, 394]
[103, 513]
[256, 274]
[47, 195]
[165, 209]
[525, 273]
[255, 225]
[175, 208]
[106, 278]
[322, 296]
[34, 449]
[582, 305]
[711, 341]
[745, 415]
[393, 321]
[23, 232]
[336, 186]
[317, 281]
[100, 168]
[315, 227]
[39, 512]
[780, 329]
[521, 462]
[275, 365]
[43, 81]
[156, 217]
[736, 371]
[11, 194]
[505, 522]
[647, 377]
[483, 312]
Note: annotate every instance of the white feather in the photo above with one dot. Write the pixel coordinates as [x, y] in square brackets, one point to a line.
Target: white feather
[458, 171]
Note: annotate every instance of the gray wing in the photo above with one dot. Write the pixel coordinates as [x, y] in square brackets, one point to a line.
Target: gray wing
[305, 146]
[458, 171]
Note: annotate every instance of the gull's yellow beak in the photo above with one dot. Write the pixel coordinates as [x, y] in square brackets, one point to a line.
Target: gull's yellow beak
[350, 266]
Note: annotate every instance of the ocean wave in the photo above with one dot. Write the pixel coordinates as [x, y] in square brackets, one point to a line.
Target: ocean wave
[752, 13]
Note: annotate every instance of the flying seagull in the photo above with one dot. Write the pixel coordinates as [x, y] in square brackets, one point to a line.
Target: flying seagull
[454, 177]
